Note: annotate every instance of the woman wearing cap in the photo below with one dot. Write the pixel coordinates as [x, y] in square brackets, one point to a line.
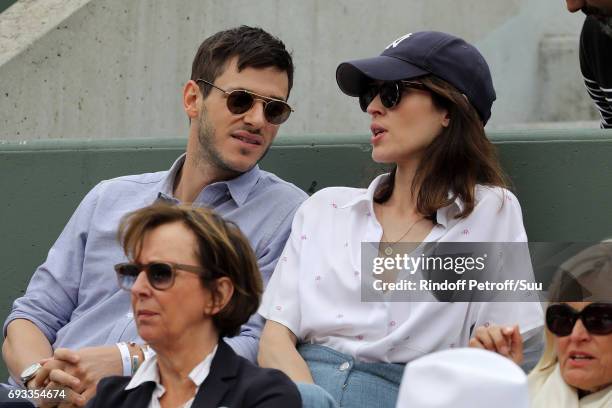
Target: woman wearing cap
[193, 279]
[428, 95]
[575, 370]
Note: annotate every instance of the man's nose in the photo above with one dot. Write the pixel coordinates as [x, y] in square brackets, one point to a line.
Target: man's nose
[255, 116]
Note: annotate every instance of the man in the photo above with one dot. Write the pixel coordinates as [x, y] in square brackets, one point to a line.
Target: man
[596, 53]
[73, 317]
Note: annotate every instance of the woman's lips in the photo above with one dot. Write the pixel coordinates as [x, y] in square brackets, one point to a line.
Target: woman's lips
[377, 137]
[145, 314]
[377, 133]
[579, 359]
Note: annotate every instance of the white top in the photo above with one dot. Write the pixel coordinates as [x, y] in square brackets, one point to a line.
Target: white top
[149, 371]
[315, 290]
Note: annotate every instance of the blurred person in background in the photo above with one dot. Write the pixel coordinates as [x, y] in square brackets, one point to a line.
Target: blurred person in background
[596, 53]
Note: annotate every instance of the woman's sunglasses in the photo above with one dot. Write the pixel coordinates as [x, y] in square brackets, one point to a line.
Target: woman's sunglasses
[390, 93]
[596, 318]
[160, 274]
[240, 101]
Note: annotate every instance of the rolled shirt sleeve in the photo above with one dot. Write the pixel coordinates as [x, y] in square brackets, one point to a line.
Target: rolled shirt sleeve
[52, 294]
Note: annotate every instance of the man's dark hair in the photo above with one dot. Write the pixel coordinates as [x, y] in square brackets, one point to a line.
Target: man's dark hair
[254, 48]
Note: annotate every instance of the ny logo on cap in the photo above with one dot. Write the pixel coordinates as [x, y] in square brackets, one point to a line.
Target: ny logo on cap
[399, 40]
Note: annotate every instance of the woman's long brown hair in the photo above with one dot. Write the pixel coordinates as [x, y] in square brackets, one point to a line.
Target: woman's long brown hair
[460, 157]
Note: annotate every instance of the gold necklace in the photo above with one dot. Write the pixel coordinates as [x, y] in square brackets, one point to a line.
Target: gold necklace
[389, 248]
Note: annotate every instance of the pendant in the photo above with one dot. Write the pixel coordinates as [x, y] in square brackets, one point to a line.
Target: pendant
[388, 250]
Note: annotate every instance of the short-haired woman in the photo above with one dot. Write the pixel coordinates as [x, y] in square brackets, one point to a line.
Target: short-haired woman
[193, 280]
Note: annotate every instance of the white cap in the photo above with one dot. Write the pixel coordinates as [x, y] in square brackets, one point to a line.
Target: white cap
[463, 378]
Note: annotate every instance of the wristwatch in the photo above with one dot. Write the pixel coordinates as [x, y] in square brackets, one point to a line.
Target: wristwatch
[29, 373]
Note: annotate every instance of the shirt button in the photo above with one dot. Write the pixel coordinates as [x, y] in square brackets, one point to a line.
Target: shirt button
[344, 366]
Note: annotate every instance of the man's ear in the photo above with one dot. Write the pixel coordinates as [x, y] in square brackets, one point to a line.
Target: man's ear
[192, 98]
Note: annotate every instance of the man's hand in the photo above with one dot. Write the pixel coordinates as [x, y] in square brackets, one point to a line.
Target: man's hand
[88, 366]
[52, 368]
[506, 341]
[78, 372]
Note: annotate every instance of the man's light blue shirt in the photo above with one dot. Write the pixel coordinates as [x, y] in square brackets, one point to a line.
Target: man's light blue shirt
[74, 297]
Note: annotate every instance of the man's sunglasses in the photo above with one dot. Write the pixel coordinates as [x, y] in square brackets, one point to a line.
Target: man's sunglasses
[596, 318]
[240, 101]
[390, 93]
[160, 274]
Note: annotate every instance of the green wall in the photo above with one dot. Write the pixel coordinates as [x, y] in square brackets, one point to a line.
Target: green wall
[562, 178]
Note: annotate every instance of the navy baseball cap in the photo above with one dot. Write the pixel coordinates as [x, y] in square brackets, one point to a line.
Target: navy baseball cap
[425, 52]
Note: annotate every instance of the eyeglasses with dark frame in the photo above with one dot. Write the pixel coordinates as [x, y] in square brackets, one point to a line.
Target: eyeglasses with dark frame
[239, 101]
[160, 275]
[390, 93]
[596, 318]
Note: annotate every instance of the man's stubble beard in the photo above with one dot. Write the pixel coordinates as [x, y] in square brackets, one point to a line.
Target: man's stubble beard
[209, 154]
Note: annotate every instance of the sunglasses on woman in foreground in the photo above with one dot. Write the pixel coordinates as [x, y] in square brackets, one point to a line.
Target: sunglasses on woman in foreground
[160, 274]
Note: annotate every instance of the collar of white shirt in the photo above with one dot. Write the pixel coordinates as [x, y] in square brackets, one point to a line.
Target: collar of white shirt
[367, 196]
[148, 371]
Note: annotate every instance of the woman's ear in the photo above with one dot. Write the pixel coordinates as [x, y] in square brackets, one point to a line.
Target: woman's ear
[224, 290]
[446, 119]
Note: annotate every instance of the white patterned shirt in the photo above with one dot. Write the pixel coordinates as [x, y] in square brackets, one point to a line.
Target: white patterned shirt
[315, 290]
